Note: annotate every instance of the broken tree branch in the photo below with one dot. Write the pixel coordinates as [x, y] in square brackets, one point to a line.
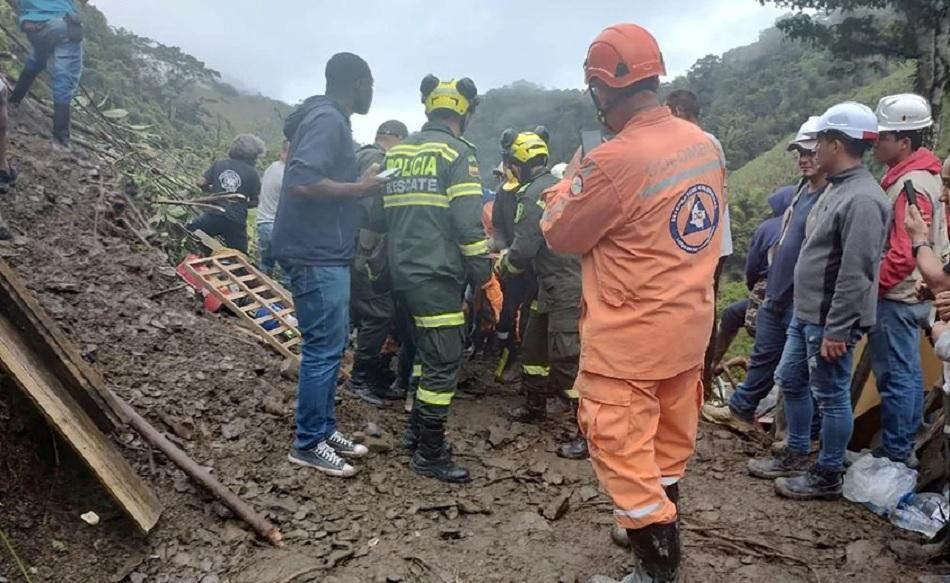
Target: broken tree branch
[260, 524]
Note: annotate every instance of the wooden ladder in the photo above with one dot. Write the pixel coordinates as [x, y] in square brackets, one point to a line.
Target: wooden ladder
[254, 297]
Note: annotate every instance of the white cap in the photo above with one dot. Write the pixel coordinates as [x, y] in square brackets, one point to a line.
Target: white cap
[904, 112]
[850, 118]
[805, 138]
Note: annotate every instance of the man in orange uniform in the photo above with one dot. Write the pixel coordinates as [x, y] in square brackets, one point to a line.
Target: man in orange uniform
[645, 212]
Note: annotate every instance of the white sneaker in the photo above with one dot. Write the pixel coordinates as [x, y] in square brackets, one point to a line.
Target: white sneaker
[322, 458]
[344, 446]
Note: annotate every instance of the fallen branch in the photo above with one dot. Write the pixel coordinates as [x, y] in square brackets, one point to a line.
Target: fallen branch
[167, 291]
[201, 475]
[199, 205]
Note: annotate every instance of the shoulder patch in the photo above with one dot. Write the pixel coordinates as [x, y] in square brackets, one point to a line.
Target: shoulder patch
[519, 212]
[473, 167]
[695, 218]
[577, 185]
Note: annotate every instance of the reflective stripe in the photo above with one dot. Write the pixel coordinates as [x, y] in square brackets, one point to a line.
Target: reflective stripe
[428, 148]
[572, 393]
[415, 199]
[476, 248]
[637, 512]
[679, 177]
[509, 266]
[431, 398]
[417, 370]
[669, 480]
[503, 361]
[441, 320]
[535, 306]
[464, 189]
[503, 335]
[536, 370]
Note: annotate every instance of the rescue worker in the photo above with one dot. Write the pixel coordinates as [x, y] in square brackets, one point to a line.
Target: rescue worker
[894, 341]
[436, 246]
[550, 347]
[517, 291]
[645, 212]
[371, 301]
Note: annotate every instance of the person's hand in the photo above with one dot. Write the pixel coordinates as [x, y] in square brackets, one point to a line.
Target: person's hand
[833, 350]
[937, 330]
[915, 225]
[370, 180]
[923, 292]
[942, 303]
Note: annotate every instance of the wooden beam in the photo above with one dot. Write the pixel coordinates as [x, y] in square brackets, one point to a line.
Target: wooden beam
[32, 373]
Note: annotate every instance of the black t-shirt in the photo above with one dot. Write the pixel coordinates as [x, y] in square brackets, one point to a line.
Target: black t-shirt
[230, 176]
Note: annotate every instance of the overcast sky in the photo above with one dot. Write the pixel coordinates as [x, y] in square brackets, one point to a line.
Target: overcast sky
[280, 47]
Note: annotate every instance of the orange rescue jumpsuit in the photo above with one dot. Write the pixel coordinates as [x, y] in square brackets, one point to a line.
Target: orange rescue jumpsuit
[645, 211]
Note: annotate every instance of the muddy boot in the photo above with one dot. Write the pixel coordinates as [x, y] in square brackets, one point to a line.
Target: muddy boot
[534, 409]
[61, 113]
[783, 464]
[509, 366]
[23, 86]
[359, 385]
[410, 438]
[817, 483]
[724, 416]
[618, 534]
[8, 178]
[433, 458]
[573, 449]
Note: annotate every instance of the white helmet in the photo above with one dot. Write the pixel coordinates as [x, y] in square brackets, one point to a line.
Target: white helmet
[805, 138]
[851, 118]
[904, 112]
[558, 170]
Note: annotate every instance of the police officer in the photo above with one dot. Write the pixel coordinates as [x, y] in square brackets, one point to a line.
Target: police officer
[551, 345]
[371, 301]
[436, 246]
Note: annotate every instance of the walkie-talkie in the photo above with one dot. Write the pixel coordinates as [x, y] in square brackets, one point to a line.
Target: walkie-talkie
[911, 193]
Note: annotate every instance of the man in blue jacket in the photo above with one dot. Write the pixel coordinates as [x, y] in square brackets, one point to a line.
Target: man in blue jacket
[313, 239]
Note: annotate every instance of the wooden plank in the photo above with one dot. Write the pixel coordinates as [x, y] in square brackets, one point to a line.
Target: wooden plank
[83, 382]
[32, 374]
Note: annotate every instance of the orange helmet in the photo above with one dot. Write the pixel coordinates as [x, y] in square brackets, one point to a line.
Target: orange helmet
[623, 54]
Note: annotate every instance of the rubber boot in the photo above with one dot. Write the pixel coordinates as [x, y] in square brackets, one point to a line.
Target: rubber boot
[410, 438]
[534, 409]
[508, 371]
[657, 548]
[359, 385]
[618, 534]
[576, 447]
[433, 458]
[23, 85]
[61, 113]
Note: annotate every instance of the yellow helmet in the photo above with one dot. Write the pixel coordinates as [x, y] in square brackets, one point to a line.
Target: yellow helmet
[459, 96]
[525, 146]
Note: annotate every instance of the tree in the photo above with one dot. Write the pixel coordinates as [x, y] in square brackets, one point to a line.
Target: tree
[904, 29]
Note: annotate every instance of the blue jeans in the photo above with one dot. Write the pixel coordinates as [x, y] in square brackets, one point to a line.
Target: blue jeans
[802, 374]
[322, 301]
[770, 326]
[53, 41]
[268, 263]
[895, 358]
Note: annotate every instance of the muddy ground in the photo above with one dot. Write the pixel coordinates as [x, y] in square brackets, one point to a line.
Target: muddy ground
[219, 394]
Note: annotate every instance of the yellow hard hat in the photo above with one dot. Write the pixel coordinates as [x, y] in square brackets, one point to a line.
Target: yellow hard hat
[525, 146]
[458, 96]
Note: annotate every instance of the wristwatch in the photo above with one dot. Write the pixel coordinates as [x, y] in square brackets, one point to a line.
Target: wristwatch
[916, 247]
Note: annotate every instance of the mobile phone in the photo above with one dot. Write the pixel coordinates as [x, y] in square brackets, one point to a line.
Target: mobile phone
[590, 139]
[910, 193]
[389, 173]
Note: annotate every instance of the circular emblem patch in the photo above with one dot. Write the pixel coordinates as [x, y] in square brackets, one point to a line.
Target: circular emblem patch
[577, 185]
[230, 180]
[695, 218]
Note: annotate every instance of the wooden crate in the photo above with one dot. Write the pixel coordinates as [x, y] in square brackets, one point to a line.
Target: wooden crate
[230, 276]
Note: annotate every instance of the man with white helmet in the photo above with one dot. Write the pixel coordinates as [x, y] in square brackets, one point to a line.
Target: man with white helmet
[838, 264]
[776, 311]
[895, 355]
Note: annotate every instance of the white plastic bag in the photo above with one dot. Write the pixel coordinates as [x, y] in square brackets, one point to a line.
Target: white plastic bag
[878, 483]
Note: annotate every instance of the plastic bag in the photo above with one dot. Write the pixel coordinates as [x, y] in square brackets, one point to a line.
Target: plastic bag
[878, 483]
[925, 513]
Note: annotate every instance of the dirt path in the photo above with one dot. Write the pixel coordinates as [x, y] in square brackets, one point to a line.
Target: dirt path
[220, 395]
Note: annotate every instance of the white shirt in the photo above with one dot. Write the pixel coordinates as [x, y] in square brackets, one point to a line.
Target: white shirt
[726, 248]
[270, 192]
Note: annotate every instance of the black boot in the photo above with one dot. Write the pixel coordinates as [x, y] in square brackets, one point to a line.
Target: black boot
[619, 534]
[23, 85]
[61, 113]
[783, 464]
[534, 409]
[359, 386]
[574, 449]
[816, 483]
[433, 458]
[410, 439]
[673, 493]
[657, 548]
